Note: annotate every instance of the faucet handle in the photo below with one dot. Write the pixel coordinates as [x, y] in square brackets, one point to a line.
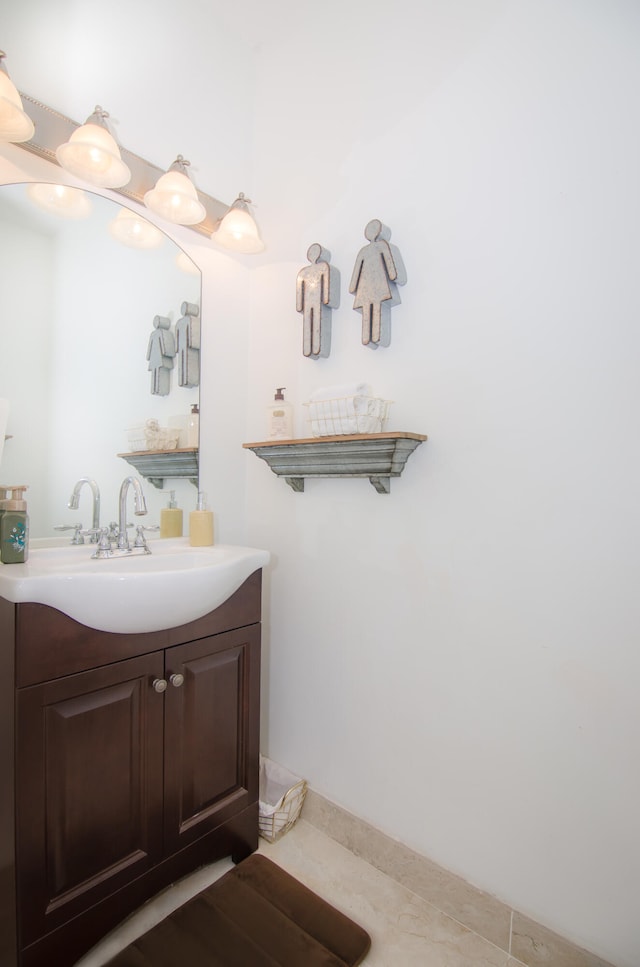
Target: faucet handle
[76, 528]
[141, 540]
[93, 533]
[104, 544]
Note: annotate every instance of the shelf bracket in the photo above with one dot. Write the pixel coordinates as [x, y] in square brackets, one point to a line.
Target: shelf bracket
[381, 484]
[296, 483]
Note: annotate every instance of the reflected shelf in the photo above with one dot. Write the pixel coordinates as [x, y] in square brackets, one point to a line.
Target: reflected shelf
[159, 465]
[376, 456]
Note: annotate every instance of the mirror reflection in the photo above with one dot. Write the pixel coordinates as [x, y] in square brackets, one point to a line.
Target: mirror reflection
[78, 307]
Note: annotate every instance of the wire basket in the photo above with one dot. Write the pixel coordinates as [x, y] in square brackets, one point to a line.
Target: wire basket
[347, 415]
[152, 436]
[281, 797]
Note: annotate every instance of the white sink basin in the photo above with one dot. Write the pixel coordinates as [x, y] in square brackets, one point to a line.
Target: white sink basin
[174, 584]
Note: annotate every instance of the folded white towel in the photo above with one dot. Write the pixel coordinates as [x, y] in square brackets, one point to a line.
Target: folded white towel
[4, 416]
[340, 392]
[344, 415]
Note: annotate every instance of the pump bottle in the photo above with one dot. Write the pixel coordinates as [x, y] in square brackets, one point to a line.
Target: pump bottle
[193, 426]
[171, 518]
[280, 417]
[14, 528]
[201, 524]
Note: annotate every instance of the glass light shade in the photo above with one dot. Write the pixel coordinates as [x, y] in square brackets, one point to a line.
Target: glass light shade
[175, 198]
[92, 154]
[15, 125]
[134, 231]
[186, 265]
[239, 232]
[60, 200]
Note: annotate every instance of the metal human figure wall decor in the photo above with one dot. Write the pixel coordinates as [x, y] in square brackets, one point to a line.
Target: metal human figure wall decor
[160, 352]
[317, 293]
[377, 271]
[188, 345]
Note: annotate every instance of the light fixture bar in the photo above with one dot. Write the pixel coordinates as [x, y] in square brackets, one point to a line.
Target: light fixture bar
[53, 129]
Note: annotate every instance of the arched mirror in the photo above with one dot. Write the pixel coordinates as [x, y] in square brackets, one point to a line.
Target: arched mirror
[78, 309]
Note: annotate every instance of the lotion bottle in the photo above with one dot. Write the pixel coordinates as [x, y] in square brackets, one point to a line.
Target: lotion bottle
[201, 523]
[171, 518]
[14, 528]
[193, 427]
[280, 417]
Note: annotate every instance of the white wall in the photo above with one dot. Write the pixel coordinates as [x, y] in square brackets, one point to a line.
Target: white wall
[457, 661]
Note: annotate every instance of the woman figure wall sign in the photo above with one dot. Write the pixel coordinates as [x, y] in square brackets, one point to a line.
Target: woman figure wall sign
[160, 352]
[377, 272]
[188, 345]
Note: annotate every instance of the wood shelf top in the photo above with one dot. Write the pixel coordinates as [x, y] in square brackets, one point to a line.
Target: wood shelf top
[341, 438]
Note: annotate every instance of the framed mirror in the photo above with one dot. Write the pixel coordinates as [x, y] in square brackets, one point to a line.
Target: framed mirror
[78, 309]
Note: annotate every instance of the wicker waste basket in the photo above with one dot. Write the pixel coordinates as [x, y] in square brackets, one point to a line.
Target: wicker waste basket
[280, 799]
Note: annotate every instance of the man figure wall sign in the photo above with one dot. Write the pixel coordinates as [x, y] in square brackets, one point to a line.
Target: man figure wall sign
[317, 293]
[377, 272]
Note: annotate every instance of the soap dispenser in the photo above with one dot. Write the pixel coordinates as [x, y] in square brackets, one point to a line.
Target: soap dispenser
[280, 417]
[201, 524]
[193, 427]
[14, 528]
[171, 518]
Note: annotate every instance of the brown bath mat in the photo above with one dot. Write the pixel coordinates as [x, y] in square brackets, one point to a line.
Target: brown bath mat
[256, 915]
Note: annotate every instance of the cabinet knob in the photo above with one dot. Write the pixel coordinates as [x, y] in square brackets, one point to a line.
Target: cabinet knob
[159, 684]
[177, 680]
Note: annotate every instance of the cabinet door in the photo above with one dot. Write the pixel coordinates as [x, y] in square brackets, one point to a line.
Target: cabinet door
[89, 784]
[211, 733]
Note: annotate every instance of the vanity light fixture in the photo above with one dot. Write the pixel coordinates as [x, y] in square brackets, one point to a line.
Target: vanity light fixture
[60, 200]
[15, 124]
[134, 231]
[143, 183]
[175, 197]
[237, 229]
[91, 153]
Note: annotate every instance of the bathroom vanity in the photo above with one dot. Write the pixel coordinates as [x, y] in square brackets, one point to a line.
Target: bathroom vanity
[128, 760]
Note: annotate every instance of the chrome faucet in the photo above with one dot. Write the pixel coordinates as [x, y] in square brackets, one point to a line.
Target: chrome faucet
[140, 505]
[74, 503]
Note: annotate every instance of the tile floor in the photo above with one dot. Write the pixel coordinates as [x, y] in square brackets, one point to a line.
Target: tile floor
[406, 931]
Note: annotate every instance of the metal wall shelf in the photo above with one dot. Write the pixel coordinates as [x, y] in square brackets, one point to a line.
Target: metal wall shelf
[378, 456]
[158, 465]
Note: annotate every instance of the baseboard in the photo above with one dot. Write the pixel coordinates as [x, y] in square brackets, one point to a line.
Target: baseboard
[528, 942]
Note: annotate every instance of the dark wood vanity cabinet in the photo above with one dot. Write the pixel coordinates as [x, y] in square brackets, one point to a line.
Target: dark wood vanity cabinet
[134, 760]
